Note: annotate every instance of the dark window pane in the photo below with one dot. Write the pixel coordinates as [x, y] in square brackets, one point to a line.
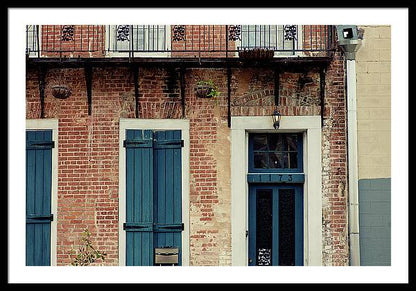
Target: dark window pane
[260, 142]
[293, 160]
[272, 141]
[292, 142]
[264, 227]
[275, 151]
[278, 160]
[277, 142]
[261, 160]
[286, 227]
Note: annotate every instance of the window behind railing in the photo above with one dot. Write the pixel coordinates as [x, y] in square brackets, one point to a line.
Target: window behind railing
[138, 38]
[279, 38]
[32, 40]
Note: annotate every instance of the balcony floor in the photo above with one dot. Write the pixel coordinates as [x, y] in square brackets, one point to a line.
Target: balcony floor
[289, 62]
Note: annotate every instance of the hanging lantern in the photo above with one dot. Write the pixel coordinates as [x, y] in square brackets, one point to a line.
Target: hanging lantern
[276, 116]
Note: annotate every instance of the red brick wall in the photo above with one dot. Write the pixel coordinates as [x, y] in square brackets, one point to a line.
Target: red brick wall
[334, 162]
[315, 38]
[85, 41]
[203, 41]
[87, 154]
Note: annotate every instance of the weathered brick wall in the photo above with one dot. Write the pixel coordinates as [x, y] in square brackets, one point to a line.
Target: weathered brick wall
[315, 38]
[334, 167]
[88, 148]
[87, 154]
[210, 192]
[253, 93]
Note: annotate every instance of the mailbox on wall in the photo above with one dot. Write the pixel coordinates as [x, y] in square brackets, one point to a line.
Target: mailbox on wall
[166, 256]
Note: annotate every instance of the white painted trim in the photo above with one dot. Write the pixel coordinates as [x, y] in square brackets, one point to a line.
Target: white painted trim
[311, 128]
[51, 124]
[154, 124]
[353, 209]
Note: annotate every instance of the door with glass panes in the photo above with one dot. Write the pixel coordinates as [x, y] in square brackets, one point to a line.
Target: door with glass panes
[275, 218]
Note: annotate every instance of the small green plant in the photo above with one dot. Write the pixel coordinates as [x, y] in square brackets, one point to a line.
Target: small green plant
[210, 87]
[87, 254]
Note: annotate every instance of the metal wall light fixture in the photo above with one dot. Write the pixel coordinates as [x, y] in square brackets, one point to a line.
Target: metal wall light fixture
[276, 117]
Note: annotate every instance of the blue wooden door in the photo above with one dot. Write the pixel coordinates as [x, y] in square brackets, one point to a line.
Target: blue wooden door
[275, 225]
[153, 194]
[39, 146]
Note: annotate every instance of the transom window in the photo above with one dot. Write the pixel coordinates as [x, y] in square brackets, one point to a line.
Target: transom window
[275, 152]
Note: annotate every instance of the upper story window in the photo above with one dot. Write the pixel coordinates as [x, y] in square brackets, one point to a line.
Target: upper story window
[32, 40]
[139, 38]
[275, 152]
[280, 38]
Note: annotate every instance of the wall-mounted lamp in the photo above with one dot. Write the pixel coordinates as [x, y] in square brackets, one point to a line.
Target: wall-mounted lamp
[276, 116]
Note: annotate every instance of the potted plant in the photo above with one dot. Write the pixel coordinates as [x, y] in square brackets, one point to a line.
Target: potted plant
[87, 254]
[256, 53]
[60, 91]
[206, 89]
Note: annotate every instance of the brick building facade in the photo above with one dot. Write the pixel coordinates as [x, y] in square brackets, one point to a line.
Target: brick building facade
[111, 94]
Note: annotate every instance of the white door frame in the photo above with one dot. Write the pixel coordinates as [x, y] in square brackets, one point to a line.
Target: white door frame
[310, 126]
[154, 124]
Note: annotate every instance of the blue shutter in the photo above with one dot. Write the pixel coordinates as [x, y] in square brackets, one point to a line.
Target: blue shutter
[153, 194]
[39, 146]
[139, 198]
[168, 189]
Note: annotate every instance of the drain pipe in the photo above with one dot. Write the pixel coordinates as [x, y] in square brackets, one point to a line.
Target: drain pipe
[350, 41]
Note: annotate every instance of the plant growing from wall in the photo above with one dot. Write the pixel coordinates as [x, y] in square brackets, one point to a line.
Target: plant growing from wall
[86, 253]
[207, 89]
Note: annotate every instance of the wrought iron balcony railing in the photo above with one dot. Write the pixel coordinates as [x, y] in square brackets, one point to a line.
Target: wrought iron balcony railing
[179, 41]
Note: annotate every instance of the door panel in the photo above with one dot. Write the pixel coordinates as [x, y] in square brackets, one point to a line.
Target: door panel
[275, 225]
[286, 227]
[264, 227]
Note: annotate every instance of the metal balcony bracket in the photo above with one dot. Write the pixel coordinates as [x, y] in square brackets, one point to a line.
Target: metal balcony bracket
[136, 88]
[88, 80]
[182, 81]
[42, 75]
[229, 96]
[276, 86]
[322, 92]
